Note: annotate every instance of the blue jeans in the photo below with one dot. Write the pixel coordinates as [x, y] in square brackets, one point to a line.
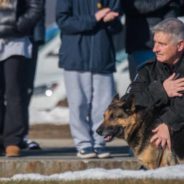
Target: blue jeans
[135, 59]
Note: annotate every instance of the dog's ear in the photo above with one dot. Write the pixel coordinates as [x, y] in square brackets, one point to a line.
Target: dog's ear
[117, 101]
[133, 108]
[129, 105]
[115, 98]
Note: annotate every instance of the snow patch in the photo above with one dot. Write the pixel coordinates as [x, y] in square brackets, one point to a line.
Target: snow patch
[172, 172]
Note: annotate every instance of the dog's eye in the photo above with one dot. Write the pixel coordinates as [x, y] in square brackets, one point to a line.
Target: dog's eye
[112, 116]
[128, 111]
[119, 116]
[115, 116]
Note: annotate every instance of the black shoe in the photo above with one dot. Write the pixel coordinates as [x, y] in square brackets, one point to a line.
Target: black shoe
[30, 145]
[1, 150]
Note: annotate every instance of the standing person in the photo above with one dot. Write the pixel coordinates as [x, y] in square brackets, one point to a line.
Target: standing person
[160, 82]
[181, 8]
[88, 59]
[17, 20]
[37, 39]
[140, 17]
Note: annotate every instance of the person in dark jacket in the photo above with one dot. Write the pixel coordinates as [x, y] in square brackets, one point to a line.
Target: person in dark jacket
[37, 39]
[160, 82]
[88, 58]
[181, 8]
[18, 19]
[140, 17]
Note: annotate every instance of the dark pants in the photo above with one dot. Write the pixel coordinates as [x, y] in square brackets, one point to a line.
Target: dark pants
[30, 69]
[13, 114]
[29, 76]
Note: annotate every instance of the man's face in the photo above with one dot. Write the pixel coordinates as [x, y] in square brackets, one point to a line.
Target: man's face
[165, 48]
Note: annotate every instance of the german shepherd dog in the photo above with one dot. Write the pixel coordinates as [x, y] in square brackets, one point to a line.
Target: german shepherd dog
[124, 120]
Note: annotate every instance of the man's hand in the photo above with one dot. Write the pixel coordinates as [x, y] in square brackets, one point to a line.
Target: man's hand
[174, 86]
[110, 16]
[161, 136]
[102, 13]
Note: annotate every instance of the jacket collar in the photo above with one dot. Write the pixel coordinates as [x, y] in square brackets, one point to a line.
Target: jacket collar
[174, 68]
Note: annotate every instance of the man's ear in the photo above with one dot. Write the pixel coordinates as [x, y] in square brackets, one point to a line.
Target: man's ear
[180, 46]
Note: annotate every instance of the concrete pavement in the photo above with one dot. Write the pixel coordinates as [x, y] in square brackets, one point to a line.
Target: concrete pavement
[58, 154]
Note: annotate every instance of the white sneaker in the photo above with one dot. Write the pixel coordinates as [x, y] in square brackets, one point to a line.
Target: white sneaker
[101, 152]
[86, 153]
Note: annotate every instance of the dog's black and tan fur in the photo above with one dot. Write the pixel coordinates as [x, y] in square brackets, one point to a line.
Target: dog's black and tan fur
[123, 120]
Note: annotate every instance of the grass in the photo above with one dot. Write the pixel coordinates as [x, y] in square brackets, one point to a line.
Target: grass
[123, 181]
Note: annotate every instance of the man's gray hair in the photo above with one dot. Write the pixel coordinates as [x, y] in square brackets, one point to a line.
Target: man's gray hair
[172, 26]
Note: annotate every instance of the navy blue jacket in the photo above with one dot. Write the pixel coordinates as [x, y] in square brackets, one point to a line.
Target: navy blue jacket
[86, 44]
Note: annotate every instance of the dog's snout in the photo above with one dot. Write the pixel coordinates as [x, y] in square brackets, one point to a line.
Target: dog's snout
[100, 130]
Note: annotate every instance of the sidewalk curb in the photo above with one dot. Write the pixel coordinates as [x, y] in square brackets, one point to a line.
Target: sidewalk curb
[49, 130]
[48, 166]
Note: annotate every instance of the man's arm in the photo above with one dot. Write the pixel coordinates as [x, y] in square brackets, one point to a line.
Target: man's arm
[173, 86]
[131, 7]
[147, 93]
[148, 6]
[173, 115]
[173, 118]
